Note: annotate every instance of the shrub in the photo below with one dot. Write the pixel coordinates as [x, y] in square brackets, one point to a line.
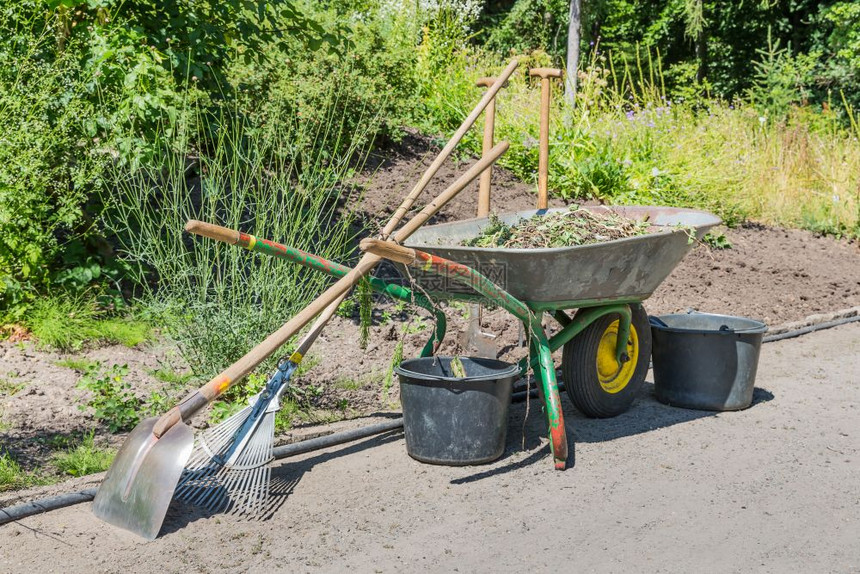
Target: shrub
[85, 85]
[218, 300]
[628, 142]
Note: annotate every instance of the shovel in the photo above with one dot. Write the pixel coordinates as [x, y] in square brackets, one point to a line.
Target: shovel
[142, 479]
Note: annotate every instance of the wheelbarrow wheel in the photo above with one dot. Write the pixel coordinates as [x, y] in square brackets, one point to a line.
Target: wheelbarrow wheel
[597, 384]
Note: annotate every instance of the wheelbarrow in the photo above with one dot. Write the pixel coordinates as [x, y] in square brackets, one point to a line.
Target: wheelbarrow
[606, 343]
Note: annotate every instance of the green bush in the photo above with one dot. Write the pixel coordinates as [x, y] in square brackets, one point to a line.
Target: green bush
[627, 142]
[217, 300]
[62, 96]
[87, 85]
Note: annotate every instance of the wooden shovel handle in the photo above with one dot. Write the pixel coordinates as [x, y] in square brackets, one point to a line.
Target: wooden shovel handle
[218, 385]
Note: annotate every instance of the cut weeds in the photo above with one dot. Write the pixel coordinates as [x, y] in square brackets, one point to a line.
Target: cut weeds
[576, 226]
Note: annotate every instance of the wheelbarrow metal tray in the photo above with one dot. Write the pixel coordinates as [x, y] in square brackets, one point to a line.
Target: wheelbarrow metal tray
[627, 269]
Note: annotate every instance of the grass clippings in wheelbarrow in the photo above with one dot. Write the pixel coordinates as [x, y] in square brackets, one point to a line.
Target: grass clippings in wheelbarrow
[575, 226]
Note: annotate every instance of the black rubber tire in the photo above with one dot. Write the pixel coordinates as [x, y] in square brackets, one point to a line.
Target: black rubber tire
[579, 367]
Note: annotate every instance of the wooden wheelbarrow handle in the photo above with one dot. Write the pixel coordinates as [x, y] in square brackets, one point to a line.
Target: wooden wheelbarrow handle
[545, 75]
[389, 250]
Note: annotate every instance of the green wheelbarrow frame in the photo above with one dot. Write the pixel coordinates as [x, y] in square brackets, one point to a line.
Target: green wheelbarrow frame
[541, 346]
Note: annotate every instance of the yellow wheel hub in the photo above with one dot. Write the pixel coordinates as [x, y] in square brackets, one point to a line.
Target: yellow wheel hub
[612, 375]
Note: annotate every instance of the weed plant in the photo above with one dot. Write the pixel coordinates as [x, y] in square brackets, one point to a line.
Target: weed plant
[13, 477]
[85, 458]
[65, 322]
[111, 398]
[10, 388]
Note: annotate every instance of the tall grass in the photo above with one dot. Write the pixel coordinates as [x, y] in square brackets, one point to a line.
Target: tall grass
[629, 141]
[279, 180]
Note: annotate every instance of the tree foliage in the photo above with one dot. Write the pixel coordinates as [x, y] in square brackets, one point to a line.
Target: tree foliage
[723, 41]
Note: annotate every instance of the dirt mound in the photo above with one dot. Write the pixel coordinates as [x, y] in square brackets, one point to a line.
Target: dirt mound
[775, 275]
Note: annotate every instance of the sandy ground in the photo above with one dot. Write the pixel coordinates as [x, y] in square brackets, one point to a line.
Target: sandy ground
[658, 489]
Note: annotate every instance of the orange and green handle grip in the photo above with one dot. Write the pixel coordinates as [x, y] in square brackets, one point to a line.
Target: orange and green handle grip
[311, 261]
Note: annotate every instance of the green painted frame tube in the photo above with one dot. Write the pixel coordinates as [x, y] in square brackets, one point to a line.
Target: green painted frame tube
[547, 383]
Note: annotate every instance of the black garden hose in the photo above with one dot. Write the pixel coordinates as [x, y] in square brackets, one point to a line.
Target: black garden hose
[810, 329]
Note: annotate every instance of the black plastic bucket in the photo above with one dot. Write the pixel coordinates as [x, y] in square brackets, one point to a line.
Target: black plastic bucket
[704, 361]
[451, 420]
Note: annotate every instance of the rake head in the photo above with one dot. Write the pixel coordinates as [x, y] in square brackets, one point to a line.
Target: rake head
[229, 467]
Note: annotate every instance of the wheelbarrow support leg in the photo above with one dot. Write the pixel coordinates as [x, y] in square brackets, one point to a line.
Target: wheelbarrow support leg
[545, 373]
[623, 334]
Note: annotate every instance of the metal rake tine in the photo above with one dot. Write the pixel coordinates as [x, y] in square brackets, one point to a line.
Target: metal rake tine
[241, 485]
[259, 491]
[222, 435]
[250, 491]
[250, 485]
[185, 482]
[220, 499]
[196, 479]
[209, 485]
[211, 491]
[202, 483]
[263, 454]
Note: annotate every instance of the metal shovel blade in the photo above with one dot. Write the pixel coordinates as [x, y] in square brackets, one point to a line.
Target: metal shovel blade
[139, 485]
[476, 342]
